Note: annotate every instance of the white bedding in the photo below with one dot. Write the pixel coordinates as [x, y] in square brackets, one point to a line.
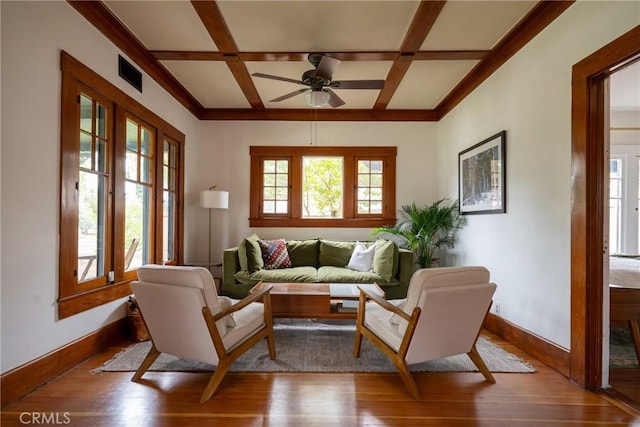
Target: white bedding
[624, 271]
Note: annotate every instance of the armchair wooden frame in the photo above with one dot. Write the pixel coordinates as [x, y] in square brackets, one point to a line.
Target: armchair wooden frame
[226, 357]
[398, 357]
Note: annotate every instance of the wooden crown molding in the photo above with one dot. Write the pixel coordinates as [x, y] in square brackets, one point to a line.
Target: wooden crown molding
[101, 17]
[542, 14]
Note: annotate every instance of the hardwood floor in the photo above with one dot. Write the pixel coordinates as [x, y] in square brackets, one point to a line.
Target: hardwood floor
[544, 398]
[626, 385]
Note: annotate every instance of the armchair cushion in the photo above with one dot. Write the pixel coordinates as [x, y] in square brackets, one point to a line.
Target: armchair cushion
[225, 303]
[248, 320]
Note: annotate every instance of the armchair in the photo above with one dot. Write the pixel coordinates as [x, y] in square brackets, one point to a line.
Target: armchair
[185, 317]
[441, 316]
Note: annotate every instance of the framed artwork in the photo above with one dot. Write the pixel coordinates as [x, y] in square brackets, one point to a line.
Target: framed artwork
[482, 176]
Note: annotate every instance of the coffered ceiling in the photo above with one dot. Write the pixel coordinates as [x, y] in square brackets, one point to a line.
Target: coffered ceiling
[430, 54]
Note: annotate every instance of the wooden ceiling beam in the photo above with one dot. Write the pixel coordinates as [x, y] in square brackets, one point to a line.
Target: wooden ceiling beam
[104, 21]
[321, 114]
[423, 20]
[538, 18]
[213, 21]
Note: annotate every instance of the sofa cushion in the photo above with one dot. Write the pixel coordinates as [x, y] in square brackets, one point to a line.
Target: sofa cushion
[332, 274]
[250, 254]
[293, 274]
[274, 254]
[334, 253]
[362, 257]
[384, 259]
[303, 252]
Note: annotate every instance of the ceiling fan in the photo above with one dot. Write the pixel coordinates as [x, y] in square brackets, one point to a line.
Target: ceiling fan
[320, 83]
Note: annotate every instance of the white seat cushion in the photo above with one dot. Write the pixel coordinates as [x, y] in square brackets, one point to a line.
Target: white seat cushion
[377, 320]
[248, 320]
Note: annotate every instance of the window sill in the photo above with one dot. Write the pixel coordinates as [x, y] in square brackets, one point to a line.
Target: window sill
[74, 304]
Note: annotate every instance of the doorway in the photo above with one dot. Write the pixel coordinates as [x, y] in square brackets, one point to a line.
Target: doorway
[622, 289]
[589, 180]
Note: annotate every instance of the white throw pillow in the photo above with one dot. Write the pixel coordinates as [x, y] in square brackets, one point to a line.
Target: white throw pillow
[362, 257]
[225, 302]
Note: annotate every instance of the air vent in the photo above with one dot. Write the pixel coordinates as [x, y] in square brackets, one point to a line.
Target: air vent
[129, 73]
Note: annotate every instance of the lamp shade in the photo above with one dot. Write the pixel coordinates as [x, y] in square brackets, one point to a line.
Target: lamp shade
[317, 98]
[214, 199]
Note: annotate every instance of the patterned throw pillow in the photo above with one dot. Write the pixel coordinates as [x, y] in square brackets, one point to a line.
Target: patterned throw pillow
[274, 254]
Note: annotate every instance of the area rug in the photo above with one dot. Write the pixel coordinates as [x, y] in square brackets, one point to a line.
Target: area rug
[622, 354]
[317, 346]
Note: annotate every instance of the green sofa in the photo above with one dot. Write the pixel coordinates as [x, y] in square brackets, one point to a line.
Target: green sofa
[317, 261]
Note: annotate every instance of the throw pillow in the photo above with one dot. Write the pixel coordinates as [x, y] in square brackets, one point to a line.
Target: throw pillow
[225, 302]
[336, 254]
[383, 259]
[274, 254]
[362, 257]
[303, 253]
[250, 254]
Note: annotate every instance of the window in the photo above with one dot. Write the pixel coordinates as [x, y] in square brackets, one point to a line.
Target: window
[624, 200]
[120, 201]
[615, 205]
[322, 186]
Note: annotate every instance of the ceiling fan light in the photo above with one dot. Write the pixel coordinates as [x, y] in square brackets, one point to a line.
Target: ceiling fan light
[317, 98]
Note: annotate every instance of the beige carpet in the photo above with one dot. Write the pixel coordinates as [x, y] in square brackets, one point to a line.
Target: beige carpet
[318, 346]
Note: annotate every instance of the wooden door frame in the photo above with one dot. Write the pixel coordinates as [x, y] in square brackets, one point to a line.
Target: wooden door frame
[588, 204]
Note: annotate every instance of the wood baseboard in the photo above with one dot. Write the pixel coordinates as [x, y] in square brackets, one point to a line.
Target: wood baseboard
[547, 352]
[26, 378]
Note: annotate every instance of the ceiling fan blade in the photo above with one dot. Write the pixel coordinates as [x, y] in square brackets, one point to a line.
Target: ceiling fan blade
[357, 84]
[290, 95]
[334, 100]
[282, 79]
[326, 67]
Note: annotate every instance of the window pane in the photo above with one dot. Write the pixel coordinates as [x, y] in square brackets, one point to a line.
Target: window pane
[132, 135]
[145, 144]
[282, 180]
[281, 207]
[137, 224]
[101, 121]
[282, 166]
[269, 166]
[145, 169]
[101, 155]
[85, 150]
[91, 230]
[168, 226]
[275, 186]
[369, 187]
[86, 113]
[131, 166]
[269, 179]
[615, 205]
[322, 183]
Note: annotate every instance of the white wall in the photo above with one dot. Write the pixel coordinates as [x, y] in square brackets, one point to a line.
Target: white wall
[33, 33]
[528, 249]
[224, 161]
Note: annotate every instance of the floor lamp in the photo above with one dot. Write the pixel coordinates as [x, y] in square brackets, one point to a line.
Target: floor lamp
[213, 199]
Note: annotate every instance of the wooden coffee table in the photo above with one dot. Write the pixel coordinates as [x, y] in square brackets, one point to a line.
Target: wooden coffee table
[315, 300]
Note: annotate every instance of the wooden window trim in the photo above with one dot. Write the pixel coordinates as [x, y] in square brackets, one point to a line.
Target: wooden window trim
[350, 218]
[72, 297]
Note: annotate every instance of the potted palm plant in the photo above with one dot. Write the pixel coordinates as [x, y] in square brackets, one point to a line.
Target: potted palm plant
[427, 229]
